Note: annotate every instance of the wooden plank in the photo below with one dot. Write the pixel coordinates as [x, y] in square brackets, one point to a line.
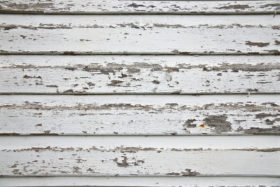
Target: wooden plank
[141, 156]
[140, 181]
[137, 7]
[145, 34]
[139, 74]
[140, 115]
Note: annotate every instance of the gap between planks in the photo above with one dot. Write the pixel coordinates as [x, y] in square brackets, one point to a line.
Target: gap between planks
[140, 13]
[139, 94]
[71, 53]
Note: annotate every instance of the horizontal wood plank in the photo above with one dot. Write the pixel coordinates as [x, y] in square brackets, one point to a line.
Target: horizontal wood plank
[139, 74]
[140, 156]
[140, 115]
[137, 7]
[140, 181]
[145, 34]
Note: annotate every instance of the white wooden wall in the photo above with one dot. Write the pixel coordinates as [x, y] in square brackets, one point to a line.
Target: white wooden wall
[139, 93]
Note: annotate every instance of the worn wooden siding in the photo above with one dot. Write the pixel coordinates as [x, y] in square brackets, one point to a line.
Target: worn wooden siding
[139, 74]
[140, 115]
[141, 156]
[139, 93]
[139, 7]
[139, 34]
[141, 181]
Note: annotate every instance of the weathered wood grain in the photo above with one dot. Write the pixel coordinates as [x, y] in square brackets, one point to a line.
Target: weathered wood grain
[140, 181]
[140, 115]
[141, 156]
[137, 7]
[145, 34]
[139, 74]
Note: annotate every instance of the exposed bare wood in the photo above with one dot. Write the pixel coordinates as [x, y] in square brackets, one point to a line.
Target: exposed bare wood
[137, 7]
[150, 34]
[139, 74]
[141, 156]
[140, 115]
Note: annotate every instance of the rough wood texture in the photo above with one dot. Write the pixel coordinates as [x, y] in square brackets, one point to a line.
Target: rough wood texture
[128, 48]
[140, 181]
[139, 74]
[146, 34]
[137, 7]
[141, 156]
[140, 115]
